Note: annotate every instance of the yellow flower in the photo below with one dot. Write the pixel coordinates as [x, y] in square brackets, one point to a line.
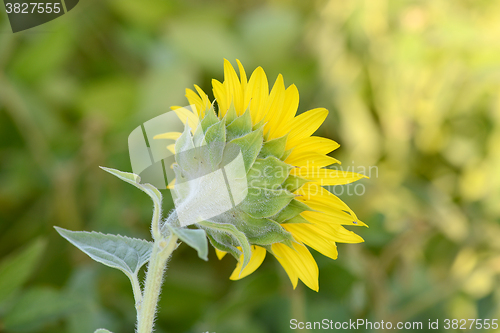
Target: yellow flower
[275, 111]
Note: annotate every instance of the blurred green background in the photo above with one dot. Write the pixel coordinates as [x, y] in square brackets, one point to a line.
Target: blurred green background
[412, 88]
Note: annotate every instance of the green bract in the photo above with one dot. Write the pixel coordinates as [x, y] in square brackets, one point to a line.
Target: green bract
[259, 191]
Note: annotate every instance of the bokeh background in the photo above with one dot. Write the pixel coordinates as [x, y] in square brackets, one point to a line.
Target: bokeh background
[413, 92]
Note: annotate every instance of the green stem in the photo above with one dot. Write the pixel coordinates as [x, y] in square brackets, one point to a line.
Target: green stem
[155, 224]
[162, 249]
[136, 288]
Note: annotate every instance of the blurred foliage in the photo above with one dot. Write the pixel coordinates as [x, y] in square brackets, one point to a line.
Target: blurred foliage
[413, 93]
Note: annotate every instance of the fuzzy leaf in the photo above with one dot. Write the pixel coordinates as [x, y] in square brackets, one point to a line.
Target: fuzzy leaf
[134, 179]
[233, 232]
[297, 219]
[126, 254]
[199, 136]
[293, 209]
[293, 183]
[223, 242]
[274, 147]
[230, 115]
[250, 146]
[185, 153]
[286, 154]
[269, 172]
[196, 238]
[102, 330]
[209, 120]
[240, 126]
[262, 202]
[261, 231]
[215, 138]
[216, 132]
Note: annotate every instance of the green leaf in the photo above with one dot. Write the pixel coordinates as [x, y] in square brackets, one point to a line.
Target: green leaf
[185, 154]
[297, 219]
[215, 137]
[293, 183]
[269, 172]
[250, 146]
[196, 238]
[124, 253]
[262, 202]
[233, 232]
[286, 154]
[134, 179]
[223, 242]
[230, 114]
[216, 132]
[240, 126]
[209, 119]
[36, 307]
[293, 209]
[274, 147]
[17, 268]
[261, 231]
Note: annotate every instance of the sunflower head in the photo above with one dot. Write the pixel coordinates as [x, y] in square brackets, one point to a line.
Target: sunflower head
[250, 174]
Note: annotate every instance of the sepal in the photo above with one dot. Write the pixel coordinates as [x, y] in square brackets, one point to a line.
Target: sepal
[195, 238]
[263, 202]
[275, 147]
[293, 209]
[250, 146]
[234, 233]
[240, 126]
[269, 172]
[293, 183]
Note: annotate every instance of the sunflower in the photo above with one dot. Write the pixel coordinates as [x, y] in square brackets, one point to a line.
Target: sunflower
[283, 213]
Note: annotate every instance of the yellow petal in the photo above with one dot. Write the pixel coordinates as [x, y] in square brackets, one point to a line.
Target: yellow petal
[298, 262]
[334, 232]
[314, 144]
[327, 176]
[303, 234]
[220, 96]
[205, 100]
[220, 254]
[243, 78]
[336, 215]
[195, 99]
[168, 135]
[171, 148]
[234, 87]
[188, 116]
[311, 159]
[274, 105]
[171, 185]
[333, 216]
[256, 94]
[314, 193]
[258, 255]
[287, 114]
[304, 125]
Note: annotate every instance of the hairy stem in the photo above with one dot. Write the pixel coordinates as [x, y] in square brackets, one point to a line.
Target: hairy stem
[162, 249]
[136, 288]
[155, 224]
